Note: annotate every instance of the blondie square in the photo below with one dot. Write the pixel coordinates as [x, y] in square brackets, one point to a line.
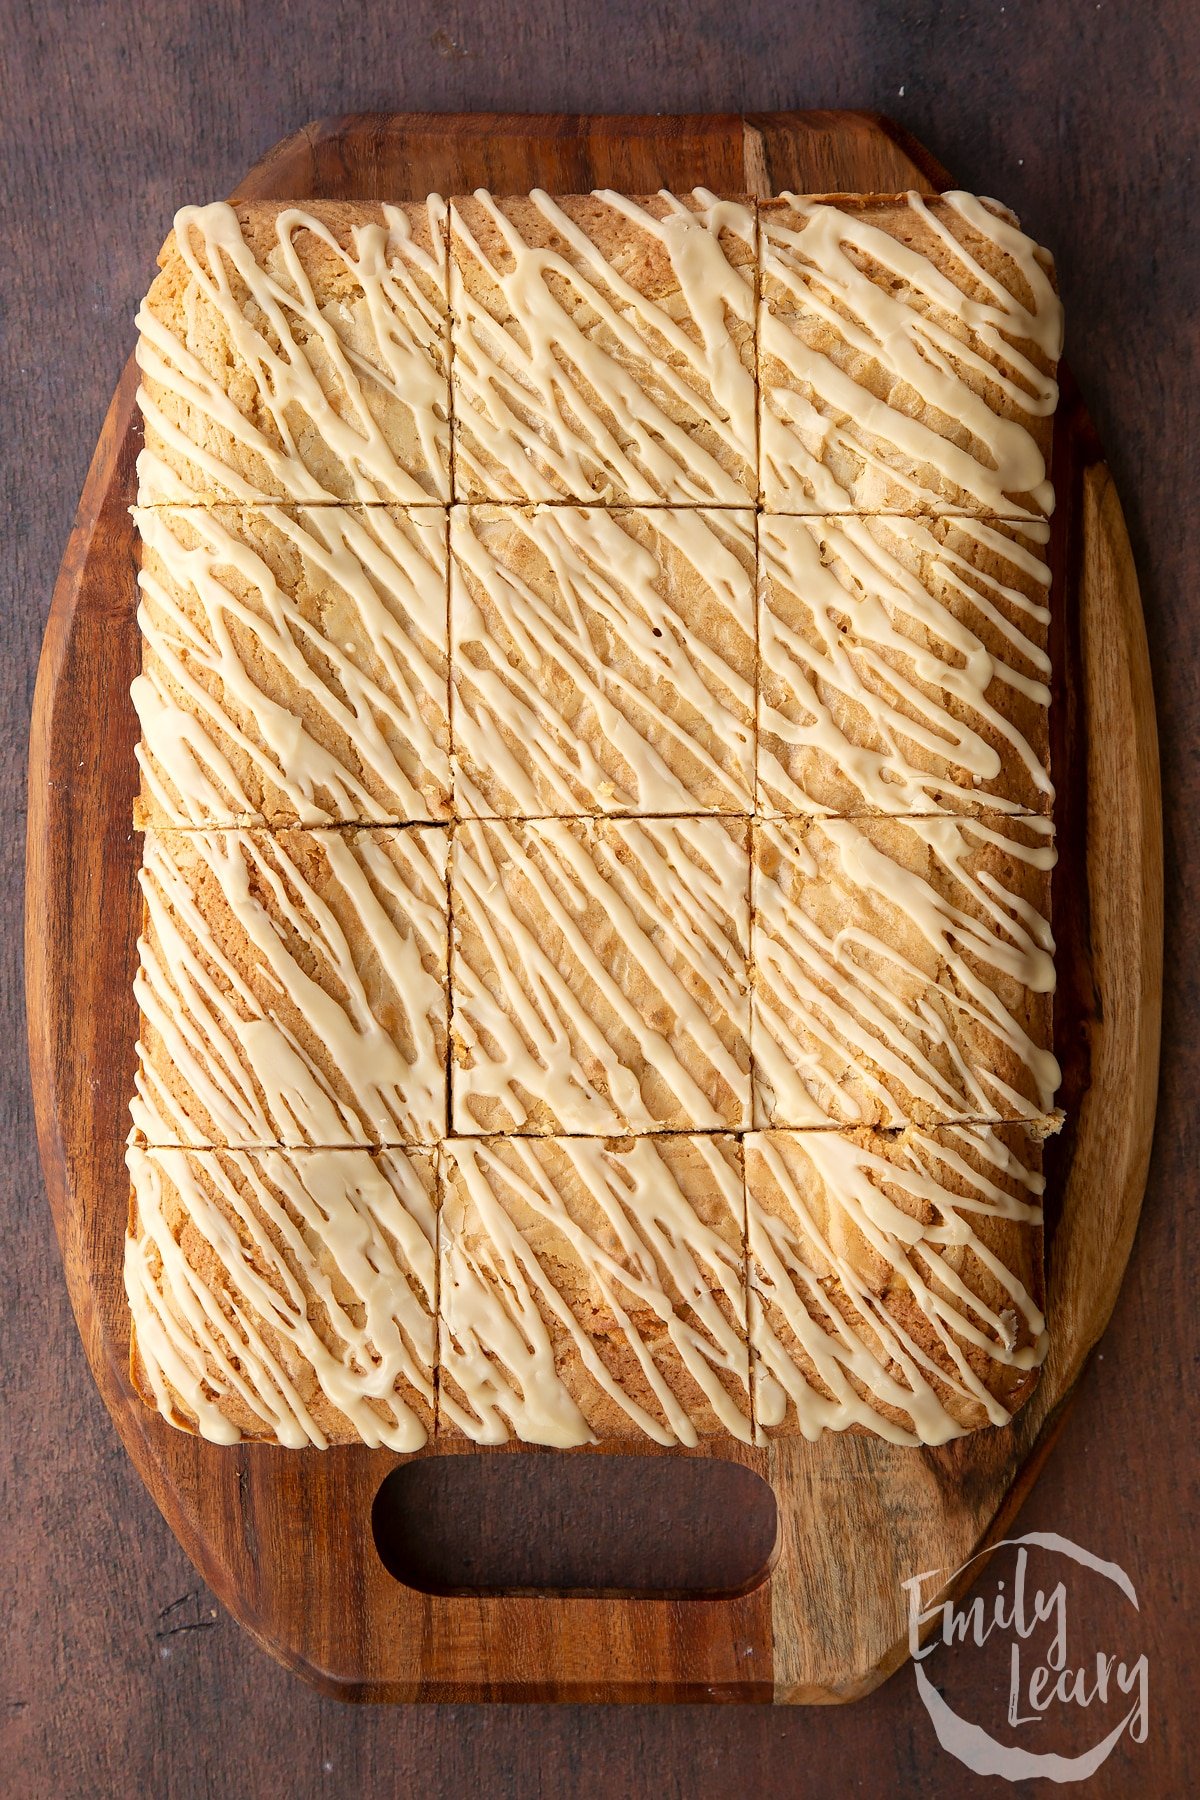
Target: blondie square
[285, 1296]
[294, 666]
[903, 971]
[297, 353]
[903, 666]
[603, 661]
[292, 988]
[907, 350]
[895, 1279]
[599, 976]
[593, 1290]
[603, 348]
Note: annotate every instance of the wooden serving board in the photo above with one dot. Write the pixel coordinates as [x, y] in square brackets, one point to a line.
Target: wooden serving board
[284, 1538]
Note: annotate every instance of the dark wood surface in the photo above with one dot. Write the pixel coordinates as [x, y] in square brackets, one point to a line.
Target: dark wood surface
[855, 1518]
[102, 1692]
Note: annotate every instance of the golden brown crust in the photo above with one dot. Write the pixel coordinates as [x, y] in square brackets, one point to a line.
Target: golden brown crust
[632, 252]
[921, 232]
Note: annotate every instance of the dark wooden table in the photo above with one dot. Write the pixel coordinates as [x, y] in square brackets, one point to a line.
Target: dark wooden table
[117, 1675]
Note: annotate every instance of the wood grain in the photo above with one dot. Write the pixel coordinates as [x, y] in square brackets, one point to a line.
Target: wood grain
[258, 1523]
[371, 155]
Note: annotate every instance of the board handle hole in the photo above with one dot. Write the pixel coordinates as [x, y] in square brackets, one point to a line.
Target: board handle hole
[598, 1527]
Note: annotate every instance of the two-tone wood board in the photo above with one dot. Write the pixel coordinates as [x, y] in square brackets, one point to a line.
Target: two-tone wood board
[284, 1538]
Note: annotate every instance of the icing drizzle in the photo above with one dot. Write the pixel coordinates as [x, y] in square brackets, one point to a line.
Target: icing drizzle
[293, 1289]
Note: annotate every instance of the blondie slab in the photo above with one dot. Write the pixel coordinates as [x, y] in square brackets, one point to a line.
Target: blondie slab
[285, 1296]
[603, 661]
[294, 666]
[593, 1290]
[292, 988]
[297, 353]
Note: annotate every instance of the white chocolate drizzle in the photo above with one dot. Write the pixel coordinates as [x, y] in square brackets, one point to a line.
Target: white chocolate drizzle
[273, 1022]
[335, 382]
[298, 1282]
[878, 692]
[596, 672]
[586, 387]
[847, 1028]
[843, 1209]
[941, 337]
[523, 1245]
[641, 1027]
[252, 709]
